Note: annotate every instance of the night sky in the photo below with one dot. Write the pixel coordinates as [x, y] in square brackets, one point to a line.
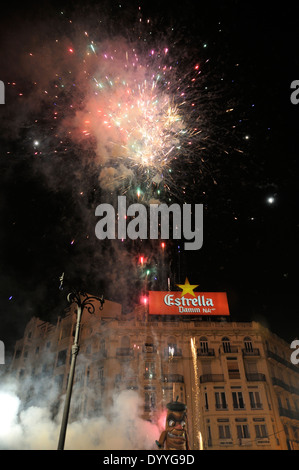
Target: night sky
[246, 176]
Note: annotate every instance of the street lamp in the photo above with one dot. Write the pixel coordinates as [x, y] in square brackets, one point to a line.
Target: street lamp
[82, 300]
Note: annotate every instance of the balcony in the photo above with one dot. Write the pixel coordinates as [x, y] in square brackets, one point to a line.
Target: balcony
[102, 354]
[263, 441]
[287, 387]
[254, 352]
[281, 384]
[173, 378]
[221, 406]
[227, 349]
[256, 406]
[149, 348]
[124, 352]
[283, 361]
[245, 441]
[234, 374]
[288, 413]
[129, 383]
[211, 378]
[225, 442]
[206, 352]
[172, 352]
[256, 377]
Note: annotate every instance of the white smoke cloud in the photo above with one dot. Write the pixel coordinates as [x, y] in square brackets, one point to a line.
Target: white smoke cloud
[33, 428]
[125, 430]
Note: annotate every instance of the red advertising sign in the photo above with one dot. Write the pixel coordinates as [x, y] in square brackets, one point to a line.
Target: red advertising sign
[180, 303]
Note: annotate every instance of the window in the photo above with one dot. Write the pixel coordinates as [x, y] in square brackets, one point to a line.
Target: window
[296, 433]
[150, 369]
[242, 431]
[101, 373]
[125, 342]
[61, 358]
[149, 340]
[149, 345]
[206, 368]
[238, 402]
[224, 431]
[102, 346]
[233, 369]
[248, 344]
[251, 368]
[80, 375]
[226, 344]
[167, 394]
[220, 401]
[58, 381]
[65, 332]
[209, 434]
[172, 346]
[203, 344]
[150, 401]
[206, 401]
[18, 353]
[255, 400]
[47, 369]
[260, 430]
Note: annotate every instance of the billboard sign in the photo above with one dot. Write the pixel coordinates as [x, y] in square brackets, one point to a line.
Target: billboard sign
[188, 302]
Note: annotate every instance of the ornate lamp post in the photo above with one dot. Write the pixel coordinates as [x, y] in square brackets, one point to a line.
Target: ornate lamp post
[82, 300]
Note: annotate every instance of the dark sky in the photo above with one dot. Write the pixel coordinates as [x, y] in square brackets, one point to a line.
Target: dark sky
[250, 244]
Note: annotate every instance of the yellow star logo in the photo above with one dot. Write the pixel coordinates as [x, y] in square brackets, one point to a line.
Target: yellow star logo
[187, 288]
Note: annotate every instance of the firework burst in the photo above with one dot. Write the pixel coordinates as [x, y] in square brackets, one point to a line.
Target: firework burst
[142, 110]
[136, 113]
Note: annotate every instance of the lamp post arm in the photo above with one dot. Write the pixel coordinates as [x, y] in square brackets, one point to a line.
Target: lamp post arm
[82, 300]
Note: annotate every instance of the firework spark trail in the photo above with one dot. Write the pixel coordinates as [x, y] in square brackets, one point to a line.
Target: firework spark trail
[195, 390]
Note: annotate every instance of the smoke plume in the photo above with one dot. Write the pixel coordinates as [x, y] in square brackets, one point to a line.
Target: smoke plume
[34, 428]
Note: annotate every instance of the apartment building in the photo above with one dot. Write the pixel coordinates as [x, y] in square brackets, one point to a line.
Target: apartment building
[240, 387]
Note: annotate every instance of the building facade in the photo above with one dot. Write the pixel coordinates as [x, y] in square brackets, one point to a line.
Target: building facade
[240, 387]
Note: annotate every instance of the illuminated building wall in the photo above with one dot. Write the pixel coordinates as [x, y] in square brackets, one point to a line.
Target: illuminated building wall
[240, 386]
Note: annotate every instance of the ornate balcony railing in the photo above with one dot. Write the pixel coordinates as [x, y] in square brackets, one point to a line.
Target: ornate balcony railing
[173, 378]
[251, 352]
[257, 377]
[206, 352]
[124, 352]
[211, 378]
